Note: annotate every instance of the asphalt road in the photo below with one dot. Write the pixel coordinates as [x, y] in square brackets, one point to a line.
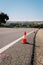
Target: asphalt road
[20, 53]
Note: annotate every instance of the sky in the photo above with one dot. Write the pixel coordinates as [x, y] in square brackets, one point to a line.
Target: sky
[22, 10]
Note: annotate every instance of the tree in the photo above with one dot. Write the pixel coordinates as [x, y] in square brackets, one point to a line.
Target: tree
[3, 17]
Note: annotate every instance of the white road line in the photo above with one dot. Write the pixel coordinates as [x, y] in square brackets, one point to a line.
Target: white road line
[12, 43]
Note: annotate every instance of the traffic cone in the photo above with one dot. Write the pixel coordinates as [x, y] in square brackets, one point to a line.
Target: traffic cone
[24, 40]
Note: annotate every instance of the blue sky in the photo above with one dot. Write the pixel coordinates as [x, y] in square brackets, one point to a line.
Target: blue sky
[22, 10]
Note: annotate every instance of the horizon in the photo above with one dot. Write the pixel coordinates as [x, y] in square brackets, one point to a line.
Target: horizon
[23, 21]
[22, 10]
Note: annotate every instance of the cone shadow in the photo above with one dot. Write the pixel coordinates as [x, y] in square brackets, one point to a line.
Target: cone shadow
[28, 43]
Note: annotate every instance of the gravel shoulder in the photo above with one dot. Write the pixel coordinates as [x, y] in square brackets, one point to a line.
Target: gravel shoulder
[38, 59]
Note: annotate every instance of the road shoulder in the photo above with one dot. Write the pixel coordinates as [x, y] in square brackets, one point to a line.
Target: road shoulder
[38, 59]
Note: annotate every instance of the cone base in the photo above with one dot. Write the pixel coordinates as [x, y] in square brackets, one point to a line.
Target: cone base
[24, 40]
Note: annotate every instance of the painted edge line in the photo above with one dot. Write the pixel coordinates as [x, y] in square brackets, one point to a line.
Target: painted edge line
[12, 43]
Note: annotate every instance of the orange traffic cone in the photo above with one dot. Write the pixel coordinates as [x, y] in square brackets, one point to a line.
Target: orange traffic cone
[24, 40]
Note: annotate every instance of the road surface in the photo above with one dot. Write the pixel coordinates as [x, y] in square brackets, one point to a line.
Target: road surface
[21, 53]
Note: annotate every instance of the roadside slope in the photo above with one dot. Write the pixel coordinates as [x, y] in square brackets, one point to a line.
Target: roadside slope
[39, 48]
